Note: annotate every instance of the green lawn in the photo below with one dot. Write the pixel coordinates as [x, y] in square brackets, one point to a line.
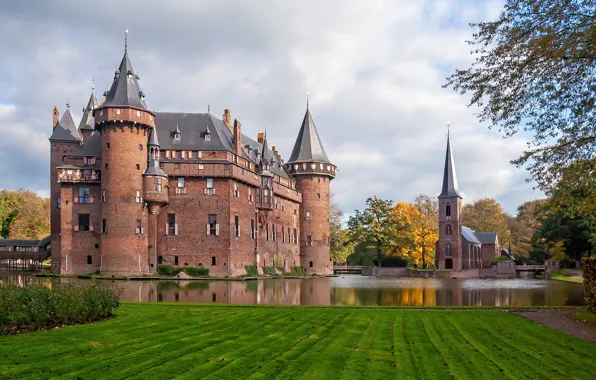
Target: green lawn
[565, 277]
[186, 341]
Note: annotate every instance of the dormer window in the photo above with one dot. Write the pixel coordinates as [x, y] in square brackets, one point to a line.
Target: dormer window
[129, 73]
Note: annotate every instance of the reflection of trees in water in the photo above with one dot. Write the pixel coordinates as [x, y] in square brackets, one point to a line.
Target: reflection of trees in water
[319, 291]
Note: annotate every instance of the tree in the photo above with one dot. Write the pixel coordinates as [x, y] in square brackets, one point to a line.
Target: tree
[524, 226]
[486, 215]
[24, 215]
[535, 70]
[429, 226]
[375, 226]
[339, 241]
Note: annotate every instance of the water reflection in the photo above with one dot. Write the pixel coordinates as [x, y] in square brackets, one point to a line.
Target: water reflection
[345, 290]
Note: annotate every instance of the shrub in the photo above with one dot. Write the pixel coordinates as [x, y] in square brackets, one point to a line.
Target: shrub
[299, 270]
[168, 270]
[392, 262]
[278, 263]
[36, 307]
[497, 260]
[251, 270]
[268, 270]
[589, 272]
[197, 272]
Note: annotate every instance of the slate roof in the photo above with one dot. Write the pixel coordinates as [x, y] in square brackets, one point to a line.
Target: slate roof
[153, 165]
[487, 237]
[308, 146]
[66, 129]
[24, 243]
[194, 126]
[125, 90]
[88, 121]
[469, 235]
[92, 147]
[449, 178]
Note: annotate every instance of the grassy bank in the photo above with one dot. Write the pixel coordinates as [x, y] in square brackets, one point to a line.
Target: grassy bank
[191, 341]
[565, 276]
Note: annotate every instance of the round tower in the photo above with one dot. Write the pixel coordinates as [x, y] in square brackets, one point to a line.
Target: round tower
[124, 123]
[313, 172]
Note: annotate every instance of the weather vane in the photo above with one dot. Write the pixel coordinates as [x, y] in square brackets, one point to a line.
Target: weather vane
[126, 40]
[307, 94]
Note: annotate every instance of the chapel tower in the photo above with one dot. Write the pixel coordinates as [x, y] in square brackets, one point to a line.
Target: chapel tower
[313, 172]
[449, 247]
[125, 124]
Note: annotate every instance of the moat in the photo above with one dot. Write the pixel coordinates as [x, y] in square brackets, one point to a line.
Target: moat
[345, 290]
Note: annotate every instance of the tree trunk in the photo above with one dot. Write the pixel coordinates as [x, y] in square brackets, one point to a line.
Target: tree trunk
[379, 254]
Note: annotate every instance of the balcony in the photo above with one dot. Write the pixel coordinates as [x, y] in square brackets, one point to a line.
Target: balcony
[79, 175]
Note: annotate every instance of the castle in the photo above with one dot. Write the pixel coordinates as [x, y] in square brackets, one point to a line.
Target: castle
[459, 247]
[132, 189]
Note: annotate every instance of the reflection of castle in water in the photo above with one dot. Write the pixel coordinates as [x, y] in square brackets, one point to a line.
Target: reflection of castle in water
[413, 292]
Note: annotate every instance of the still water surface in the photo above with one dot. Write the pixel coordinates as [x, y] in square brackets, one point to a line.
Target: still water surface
[344, 290]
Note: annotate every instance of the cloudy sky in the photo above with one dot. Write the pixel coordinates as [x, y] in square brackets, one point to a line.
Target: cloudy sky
[374, 71]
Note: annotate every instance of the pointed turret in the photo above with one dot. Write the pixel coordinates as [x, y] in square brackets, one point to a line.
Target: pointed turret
[66, 130]
[265, 159]
[125, 90]
[449, 177]
[87, 125]
[153, 167]
[308, 146]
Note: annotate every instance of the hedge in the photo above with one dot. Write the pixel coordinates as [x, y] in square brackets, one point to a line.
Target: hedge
[168, 270]
[498, 259]
[589, 273]
[35, 307]
[269, 270]
[197, 272]
[251, 270]
[299, 270]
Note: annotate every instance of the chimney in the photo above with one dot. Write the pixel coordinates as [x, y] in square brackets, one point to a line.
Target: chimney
[261, 138]
[55, 117]
[237, 135]
[277, 154]
[227, 119]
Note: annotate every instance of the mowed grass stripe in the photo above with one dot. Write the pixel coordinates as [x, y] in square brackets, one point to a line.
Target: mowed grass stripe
[146, 349]
[148, 341]
[222, 363]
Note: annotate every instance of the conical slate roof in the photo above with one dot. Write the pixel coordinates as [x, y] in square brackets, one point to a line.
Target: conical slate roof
[125, 90]
[449, 177]
[88, 121]
[308, 146]
[153, 141]
[153, 167]
[66, 130]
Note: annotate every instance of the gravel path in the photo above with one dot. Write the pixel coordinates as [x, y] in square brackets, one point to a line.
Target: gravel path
[561, 320]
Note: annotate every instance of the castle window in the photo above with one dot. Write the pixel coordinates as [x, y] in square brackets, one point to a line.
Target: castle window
[310, 264]
[58, 202]
[448, 251]
[448, 210]
[157, 185]
[139, 228]
[308, 215]
[103, 196]
[309, 240]
[295, 235]
[252, 229]
[84, 195]
[266, 196]
[210, 189]
[140, 147]
[266, 231]
[176, 166]
[171, 226]
[63, 158]
[195, 155]
[319, 180]
[236, 192]
[283, 234]
[448, 229]
[318, 195]
[104, 226]
[162, 154]
[138, 167]
[249, 195]
[159, 260]
[201, 167]
[178, 154]
[213, 260]
[180, 189]
[89, 260]
[138, 196]
[175, 260]
[273, 237]
[108, 145]
[212, 226]
[295, 210]
[89, 161]
[84, 222]
[106, 166]
[236, 226]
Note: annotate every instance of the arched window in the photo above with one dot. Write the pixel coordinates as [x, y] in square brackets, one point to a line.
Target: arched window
[448, 251]
[448, 210]
[448, 229]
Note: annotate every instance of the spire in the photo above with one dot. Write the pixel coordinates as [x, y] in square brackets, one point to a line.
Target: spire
[153, 166]
[265, 160]
[66, 130]
[449, 177]
[125, 90]
[88, 121]
[308, 146]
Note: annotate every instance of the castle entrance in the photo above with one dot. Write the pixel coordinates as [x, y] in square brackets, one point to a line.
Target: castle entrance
[448, 263]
